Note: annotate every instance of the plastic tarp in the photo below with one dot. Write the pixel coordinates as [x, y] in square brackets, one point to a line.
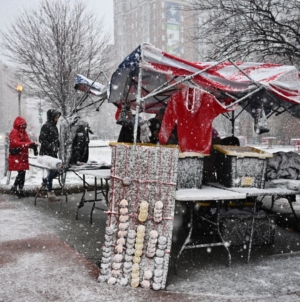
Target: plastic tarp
[86, 85]
[257, 84]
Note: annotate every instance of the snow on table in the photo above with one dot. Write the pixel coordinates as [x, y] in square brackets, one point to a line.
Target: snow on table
[208, 193]
[256, 191]
[101, 173]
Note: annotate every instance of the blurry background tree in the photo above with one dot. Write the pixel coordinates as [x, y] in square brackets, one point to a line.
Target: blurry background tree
[251, 30]
[49, 45]
[260, 30]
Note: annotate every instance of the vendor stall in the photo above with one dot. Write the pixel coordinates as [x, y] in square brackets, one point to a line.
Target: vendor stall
[148, 179]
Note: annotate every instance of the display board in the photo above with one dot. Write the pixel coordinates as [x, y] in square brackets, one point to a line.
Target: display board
[139, 223]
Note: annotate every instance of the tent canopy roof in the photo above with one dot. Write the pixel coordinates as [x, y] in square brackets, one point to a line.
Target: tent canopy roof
[251, 84]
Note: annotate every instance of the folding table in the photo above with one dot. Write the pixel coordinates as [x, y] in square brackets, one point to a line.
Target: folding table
[104, 175]
[208, 194]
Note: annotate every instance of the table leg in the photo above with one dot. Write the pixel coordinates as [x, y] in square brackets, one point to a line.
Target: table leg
[38, 193]
[252, 231]
[95, 198]
[225, 244]
[62, 181]
[187, 238]
[106, 190]
[273, 202]
[292, 198]
[81, 203]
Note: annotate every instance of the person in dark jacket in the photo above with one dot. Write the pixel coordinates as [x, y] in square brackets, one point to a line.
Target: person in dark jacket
[127, 131]
[155, 124]
[18, 154]
[49, 139]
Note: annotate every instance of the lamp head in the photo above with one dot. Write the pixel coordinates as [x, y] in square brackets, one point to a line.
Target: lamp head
[19, 88]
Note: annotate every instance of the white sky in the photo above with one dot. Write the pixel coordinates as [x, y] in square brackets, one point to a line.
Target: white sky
[9, 10]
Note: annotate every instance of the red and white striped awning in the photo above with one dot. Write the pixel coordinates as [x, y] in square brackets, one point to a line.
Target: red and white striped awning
[267, 84]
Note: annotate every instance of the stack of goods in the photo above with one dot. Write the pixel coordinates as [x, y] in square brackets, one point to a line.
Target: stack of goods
[139, 222]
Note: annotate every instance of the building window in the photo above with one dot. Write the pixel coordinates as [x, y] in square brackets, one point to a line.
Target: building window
[163, 37]
[163, 15]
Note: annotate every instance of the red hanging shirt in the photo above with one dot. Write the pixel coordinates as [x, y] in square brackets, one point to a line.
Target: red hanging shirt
[194, 110]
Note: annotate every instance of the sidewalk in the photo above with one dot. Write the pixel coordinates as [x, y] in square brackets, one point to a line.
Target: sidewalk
[37, 265]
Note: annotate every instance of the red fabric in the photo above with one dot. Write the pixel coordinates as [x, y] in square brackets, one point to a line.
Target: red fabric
[117, 114]
[215, 133]
[19, 139]
[194, 110]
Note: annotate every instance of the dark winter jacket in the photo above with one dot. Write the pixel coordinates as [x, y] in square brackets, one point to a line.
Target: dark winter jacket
[19, 144]
[154, 126]
[49, 137]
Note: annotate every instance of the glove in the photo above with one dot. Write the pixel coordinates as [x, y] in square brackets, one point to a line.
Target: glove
[35, 151]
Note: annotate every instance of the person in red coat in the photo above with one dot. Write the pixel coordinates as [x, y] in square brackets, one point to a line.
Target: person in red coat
[18, 154]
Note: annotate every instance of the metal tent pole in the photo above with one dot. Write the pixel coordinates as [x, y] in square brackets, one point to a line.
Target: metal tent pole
[232, 122]
[138, 99]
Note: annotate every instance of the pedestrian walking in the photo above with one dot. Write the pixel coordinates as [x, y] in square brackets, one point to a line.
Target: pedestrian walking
[49, 139]
[19, 143]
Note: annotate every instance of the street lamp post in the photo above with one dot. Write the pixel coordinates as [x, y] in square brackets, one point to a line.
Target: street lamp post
[19, 89]
[40, 113]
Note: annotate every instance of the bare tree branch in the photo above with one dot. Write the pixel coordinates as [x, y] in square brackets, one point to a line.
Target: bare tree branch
[258, 30]
[51, 44]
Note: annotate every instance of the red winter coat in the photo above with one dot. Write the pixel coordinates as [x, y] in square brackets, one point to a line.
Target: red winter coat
[19, 139]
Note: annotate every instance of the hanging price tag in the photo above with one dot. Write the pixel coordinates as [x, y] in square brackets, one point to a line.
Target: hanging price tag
[247, 181]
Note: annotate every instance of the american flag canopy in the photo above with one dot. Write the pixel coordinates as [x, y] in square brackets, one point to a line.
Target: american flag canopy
[267, 84]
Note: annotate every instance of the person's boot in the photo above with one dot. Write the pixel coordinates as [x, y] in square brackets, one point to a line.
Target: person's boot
[52, 197]
[14, 190]
[44, 182]
[21, 193]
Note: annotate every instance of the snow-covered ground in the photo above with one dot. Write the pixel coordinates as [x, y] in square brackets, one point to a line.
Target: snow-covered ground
[203, 271]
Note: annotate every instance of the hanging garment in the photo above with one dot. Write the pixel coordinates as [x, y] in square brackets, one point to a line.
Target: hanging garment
[74, 137]
[68, 128]
[194, 110]
[80, 146]
[260, 121]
